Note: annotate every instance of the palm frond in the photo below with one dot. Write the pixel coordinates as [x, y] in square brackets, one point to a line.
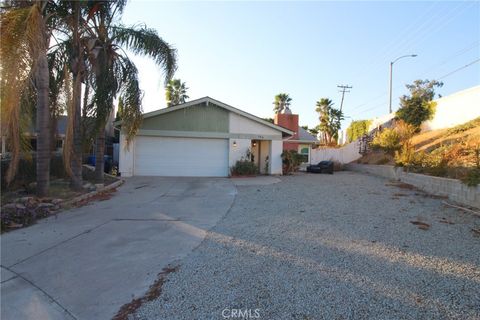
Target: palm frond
[20, 27]
[132, 100]
[147, 42]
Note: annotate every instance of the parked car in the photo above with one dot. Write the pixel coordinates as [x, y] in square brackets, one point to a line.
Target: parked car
[321, 167]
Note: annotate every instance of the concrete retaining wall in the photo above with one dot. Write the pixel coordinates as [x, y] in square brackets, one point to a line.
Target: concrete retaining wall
[451, 188]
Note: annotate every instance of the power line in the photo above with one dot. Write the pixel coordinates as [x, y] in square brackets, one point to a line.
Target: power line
[434, 66]
[442, 77]
[344, 89]
[456, 70]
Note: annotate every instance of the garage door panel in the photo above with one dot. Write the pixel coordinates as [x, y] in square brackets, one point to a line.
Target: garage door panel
[164, 156]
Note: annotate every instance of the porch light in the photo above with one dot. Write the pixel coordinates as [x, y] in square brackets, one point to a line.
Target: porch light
[255, 143]
[234, 144]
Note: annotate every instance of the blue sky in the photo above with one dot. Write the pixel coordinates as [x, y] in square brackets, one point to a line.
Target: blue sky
[244, 53]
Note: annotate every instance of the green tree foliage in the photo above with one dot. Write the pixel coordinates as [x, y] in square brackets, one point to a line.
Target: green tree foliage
[330, 120]
[176, 92]
[418, 106]
[118, 116]
[357, 129]
[388, 140]
[113, 73]
[26, 29]
[281, 102]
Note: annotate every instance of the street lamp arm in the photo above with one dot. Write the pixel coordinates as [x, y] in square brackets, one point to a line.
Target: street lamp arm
[391, 72]
[405, 56]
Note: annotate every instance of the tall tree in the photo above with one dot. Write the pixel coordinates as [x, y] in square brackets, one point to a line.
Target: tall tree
[330, 119]
[114, 73]
[418, 106]
[323, 107]
[281, 103]
[68, 63]
[26, 30]
[175, 92]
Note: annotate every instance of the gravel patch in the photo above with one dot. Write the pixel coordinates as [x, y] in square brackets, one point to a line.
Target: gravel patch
[339, 246]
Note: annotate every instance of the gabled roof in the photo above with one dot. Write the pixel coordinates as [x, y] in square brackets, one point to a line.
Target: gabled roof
[208, 100]
[304, 135]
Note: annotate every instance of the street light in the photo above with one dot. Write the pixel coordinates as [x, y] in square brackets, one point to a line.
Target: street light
[391, 71]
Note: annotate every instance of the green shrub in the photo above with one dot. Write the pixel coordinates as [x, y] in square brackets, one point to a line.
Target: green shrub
[357, 129]
[388, 140]
[418, 106]
[472, 178]
[434, 164]
[291, 161]
[405, 156]
[244, 168]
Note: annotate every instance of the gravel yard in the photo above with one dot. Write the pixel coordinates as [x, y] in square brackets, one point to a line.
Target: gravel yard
[339, 246]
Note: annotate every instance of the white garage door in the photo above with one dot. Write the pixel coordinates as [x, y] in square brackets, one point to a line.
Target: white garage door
[189, 157]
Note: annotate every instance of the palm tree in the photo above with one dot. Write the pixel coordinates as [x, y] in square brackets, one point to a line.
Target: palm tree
[282, 101]
[26, 31]
[176, 92]
[330, 119]
[113, 73]
[323, 108]
[336, 116]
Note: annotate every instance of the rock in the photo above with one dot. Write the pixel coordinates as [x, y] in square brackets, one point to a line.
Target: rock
[19, 206]
[89, 186]
[9, 206]
[45, 205]
[57, 201]
[25, 200]
[99, 186]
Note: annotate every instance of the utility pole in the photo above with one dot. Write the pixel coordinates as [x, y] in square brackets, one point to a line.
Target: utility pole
[344, 89]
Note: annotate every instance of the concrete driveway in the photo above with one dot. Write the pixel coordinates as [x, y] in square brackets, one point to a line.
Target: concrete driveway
[89, 261]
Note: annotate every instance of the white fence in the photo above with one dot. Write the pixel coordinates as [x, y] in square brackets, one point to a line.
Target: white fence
[345, 154]
[451, 110]
[455, 109]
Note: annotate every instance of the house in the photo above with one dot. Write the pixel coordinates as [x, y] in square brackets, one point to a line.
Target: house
[301, 141]
[204, 137]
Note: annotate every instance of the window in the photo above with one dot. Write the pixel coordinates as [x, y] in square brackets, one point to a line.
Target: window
[304, 153]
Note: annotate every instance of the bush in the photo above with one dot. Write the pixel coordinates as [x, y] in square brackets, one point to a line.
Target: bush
[405, 156]
[291, 161]
[435, 164]
[388, 140]
[26, 172]
[244, 168]
[357, 129]
[418, 106]
[472, 179]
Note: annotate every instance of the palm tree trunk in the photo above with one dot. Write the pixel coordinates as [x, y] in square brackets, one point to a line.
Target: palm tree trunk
[76, 158]
[99, 153]
[43, 119]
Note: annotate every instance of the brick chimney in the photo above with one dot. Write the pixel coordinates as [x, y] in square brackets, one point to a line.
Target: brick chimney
[288, 121]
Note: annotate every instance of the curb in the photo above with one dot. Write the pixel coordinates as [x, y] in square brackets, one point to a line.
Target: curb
[91, 194]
